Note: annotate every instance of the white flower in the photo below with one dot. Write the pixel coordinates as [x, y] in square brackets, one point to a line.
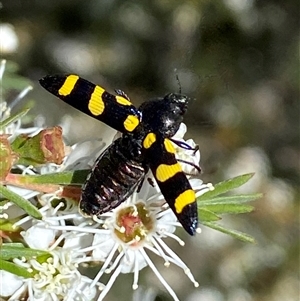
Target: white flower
[122, 238]
[8, 39]
[56, 277]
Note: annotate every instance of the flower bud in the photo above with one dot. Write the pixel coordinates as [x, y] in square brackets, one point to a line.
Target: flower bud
[45, 147]
[7, 157]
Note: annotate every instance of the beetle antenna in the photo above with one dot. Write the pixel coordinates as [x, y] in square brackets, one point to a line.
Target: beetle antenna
[178, 82]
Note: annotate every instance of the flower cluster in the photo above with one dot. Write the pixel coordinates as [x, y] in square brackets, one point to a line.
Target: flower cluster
[62, 240]
[120, 238]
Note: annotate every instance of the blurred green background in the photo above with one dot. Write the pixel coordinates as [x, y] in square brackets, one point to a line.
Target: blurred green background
[238, 60]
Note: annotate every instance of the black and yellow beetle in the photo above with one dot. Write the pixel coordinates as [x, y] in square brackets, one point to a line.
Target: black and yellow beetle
[145, 143]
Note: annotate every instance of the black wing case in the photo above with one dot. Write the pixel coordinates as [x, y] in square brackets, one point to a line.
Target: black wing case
[115, 111]
[172, 181]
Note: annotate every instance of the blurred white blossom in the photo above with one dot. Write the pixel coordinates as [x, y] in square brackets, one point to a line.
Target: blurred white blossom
[9, 41]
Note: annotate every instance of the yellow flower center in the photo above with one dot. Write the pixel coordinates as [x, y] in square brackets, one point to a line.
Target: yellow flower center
[134, 223]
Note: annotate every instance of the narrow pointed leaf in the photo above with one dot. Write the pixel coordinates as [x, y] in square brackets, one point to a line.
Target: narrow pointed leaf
[20, 201]
[226, 186]
[10, 251]
[207, 216]
[236, 234]
[229, 208]
[76, 177]
[13, 118]
[235, 199]
[14, 269]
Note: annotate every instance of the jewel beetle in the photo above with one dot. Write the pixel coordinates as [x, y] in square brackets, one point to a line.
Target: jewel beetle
[146, 143]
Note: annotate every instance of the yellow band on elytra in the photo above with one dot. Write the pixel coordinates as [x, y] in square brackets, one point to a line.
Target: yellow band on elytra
[165, 172]
[68, 85]
[184, 199]
[96, 104]
[149, 140]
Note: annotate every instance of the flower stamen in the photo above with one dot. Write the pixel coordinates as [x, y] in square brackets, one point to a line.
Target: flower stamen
[111, 281]
[105, 265]
[136, 274]
[158, 275]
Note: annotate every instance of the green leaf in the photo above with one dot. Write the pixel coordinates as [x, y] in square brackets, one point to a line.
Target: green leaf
[207, 216]
[10, 251]
[229, 208]
[13, 118]
[14, 269]
[20, 201]
[235, 199]
[226, 186]
[236, 234]
[76, 177]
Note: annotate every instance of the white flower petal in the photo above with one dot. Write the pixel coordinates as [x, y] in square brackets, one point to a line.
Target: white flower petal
[107, 243]
[181, 132]
[167, 222]
[83, 154]
[196, 183]
[9, 283]
[42, 297]
[132, 258]
[38, 237]
[89, 293]
[78, 241]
